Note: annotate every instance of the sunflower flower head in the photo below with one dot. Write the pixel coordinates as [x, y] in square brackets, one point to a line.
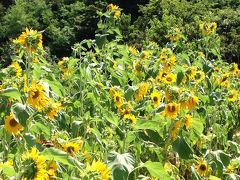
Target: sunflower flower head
[12, 126]
[233, 95]
[156, 98]
[188, 121]
[30, 39]
[142, 91]
[16, 68]
[118, 99]
[130, 117]
[37, 96]
[202, 167]
[54, 109]
[73, 147]
[34, 165]
[175, 129]
[170, 78]
[172, 110]
[99, 169]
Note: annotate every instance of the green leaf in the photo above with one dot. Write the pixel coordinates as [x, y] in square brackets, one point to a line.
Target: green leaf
[156, 170]
[30, 139]
[60, 156]
[121, 165]
[197, 125]
[147, 124]
[57, 88]
[11, 92]
[101, 40]
[182, 148]
[20, 113]
[180, 76]
[214, 178]
[195, 175]
[110, 117]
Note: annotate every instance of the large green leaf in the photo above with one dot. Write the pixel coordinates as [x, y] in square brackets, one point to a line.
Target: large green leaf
[20, 113]
[110, 117]
[147, 124]
[11, 92]
[156, 169]
[182, 148]
[121, 165]
[60, 156]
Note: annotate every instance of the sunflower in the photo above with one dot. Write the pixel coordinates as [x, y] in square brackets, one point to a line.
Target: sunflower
[31, 40]
[188, 121]
[202, 167]
[172, 110]
[192, 102]
[175, 130]
[145, 54]
[100, 168]
[233, 95]
[37, 97]
[223, 81]
[130, 117]
[142, 91]
[52, 168]
[161, 75]
[12, 126]
[112, 7]
[55, 108]
[117, 14]
[138, 67]
[35, 165]
[17, 69]
[73, 147]
[156, 98]
[199, 77]
[133, 50]
[170, 78]
[118, 99]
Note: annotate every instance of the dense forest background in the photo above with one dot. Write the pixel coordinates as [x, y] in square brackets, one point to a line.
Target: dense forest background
[65, 22]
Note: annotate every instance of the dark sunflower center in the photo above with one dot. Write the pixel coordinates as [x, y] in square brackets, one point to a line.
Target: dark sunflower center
[13, 122]
[164, 74]
[230, 96]
[36, 94]
[155, 99]
[117, 98]
[171, 108]
[70, 149]
[224, 79]
[203, 167]
[169, 79]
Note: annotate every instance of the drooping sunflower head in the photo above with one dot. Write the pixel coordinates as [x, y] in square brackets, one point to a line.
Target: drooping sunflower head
[54, 109]
[175, 130]
[12, 126]
[172, 110]
[34, 165]
[161, 75]
[156, 98]
[100, 170]
[37, 96]
[192, 101]
[31, 40]
[202, 167]
[73, 147]
[16, 69]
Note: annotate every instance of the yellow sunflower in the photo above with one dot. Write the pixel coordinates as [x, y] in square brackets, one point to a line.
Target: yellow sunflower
[202, 167]
[138, 67]
[112, 7]
[118, 99]
[172, 110]
[55, 108]
[156, 98]
[17, 68]
[133, 50]
[130, 117]
[52, 168]
[12, 126]
[145, 54]
[192, 102]
[161, 75]
[37, 97]
[188, 121]
[117, 14]
[199, 77]
[35, 165]
[233, 95]
[170, 78]
[73, 147]
[103, 172]
[175, 130]
[223, 81]
[31, 39]
[142, 91]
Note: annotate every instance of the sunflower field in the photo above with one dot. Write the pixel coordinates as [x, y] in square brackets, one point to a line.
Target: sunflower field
[112, 110]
